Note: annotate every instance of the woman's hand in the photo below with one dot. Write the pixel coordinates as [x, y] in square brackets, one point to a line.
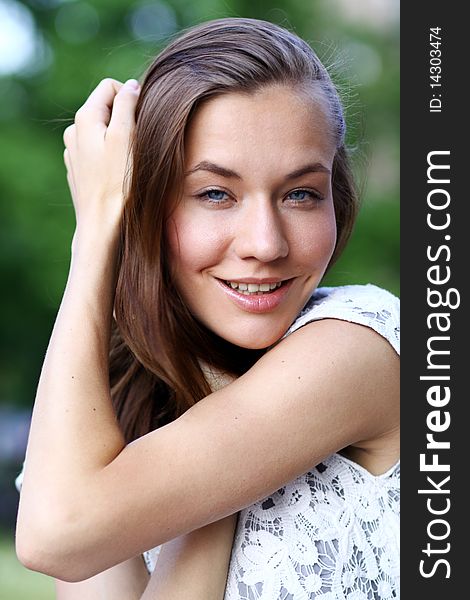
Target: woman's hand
[97, 152]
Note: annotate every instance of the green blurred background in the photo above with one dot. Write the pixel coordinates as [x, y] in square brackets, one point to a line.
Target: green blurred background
[52, 53]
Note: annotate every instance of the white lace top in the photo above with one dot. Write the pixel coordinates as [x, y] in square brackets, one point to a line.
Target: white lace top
[333, 533]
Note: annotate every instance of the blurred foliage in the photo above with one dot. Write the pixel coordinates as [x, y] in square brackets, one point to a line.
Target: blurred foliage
[79, 43]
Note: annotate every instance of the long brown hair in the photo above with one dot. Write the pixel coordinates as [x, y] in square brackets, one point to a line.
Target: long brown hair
[156, 343]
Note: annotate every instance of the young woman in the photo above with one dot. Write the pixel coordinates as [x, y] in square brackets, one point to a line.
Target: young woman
[192, 312]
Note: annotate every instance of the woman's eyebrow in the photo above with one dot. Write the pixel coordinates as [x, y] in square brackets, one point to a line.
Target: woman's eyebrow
[310, 168]
[228, 173]
[213, 168]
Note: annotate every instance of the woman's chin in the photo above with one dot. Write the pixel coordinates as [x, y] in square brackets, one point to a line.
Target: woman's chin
[259, 340]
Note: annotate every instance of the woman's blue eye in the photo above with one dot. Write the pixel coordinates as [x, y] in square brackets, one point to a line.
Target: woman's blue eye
[214, 198]
[300, 195]
[304, 197]
[215, 195]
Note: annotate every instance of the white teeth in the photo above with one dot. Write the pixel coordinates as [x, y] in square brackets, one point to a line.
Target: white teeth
[253, 288]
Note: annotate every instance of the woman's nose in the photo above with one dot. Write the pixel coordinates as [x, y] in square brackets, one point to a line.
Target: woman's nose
[260, 233]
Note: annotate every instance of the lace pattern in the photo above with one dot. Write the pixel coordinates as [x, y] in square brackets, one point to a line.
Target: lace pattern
[332, 534]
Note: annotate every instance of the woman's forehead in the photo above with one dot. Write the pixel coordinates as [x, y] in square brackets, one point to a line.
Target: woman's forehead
[276, 121]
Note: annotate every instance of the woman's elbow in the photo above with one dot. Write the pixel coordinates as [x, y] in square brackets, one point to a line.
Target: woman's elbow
[49, 548]
[37, 554]
[31, 552]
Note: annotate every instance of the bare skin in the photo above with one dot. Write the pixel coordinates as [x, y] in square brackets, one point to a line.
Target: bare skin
[127, 581]
[191, 566]
[82, 481]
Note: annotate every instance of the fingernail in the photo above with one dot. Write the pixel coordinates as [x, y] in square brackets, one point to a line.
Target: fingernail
[133, 84]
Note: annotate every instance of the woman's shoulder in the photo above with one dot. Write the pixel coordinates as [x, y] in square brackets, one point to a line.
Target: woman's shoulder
[367, 305]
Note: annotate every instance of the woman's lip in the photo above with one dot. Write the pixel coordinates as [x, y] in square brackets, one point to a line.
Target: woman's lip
[262, 303]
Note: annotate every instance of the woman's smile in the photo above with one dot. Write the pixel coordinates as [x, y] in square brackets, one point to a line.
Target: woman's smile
[254, 229]
[256, 297]
[253, 288]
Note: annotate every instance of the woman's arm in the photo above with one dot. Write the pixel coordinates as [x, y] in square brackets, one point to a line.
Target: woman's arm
[236, 446]
[327, 386]
[195, 565]
[126, 581]
[74, 380]
[192, 566]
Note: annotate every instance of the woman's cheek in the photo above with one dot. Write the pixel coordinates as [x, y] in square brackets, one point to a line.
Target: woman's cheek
[315, 243]
[194, 244]
[331, 235]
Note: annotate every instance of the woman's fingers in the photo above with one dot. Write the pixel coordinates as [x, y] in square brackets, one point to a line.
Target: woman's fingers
[97, 152]
[70, 178]
[67, 162]
[110, 105]
[123, 111]
[97, 107]
[68, 136]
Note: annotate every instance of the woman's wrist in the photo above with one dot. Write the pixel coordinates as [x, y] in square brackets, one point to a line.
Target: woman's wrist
[95, 243]
[94, 269]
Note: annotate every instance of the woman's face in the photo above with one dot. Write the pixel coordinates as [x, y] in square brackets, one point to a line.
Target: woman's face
[255, 228]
